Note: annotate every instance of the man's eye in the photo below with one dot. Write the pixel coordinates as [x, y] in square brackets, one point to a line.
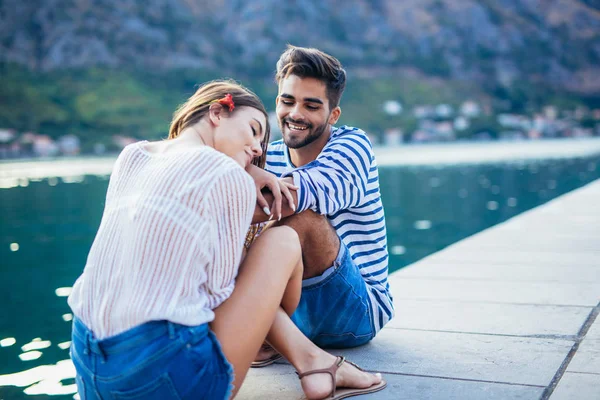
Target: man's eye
[312, 107]
[287, 103]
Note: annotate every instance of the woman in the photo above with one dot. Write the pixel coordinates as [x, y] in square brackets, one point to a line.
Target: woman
[161, 309]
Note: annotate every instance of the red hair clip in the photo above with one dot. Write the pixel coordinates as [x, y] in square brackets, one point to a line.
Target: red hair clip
[226, 101]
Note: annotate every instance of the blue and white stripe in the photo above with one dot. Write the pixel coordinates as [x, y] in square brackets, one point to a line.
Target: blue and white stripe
[343, 184]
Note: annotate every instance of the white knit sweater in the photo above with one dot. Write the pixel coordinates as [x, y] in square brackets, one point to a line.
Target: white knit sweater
[169, 243]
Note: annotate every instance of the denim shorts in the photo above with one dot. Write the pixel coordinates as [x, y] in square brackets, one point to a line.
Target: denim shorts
[334, 309]
[156, 360]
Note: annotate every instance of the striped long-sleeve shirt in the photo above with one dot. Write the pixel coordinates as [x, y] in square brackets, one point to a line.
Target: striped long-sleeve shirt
[343, 184]
[170, 240]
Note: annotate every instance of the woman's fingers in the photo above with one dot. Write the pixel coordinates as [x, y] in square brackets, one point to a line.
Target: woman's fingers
[273, 185]
[285, 189]
[262, 202]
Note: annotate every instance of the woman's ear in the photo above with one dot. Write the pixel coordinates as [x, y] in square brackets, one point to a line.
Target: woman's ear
[215, 112]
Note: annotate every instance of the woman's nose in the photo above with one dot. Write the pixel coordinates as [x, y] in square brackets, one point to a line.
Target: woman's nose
[257, 149]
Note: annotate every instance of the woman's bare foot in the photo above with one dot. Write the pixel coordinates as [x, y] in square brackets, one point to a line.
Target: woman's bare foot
[319, 385]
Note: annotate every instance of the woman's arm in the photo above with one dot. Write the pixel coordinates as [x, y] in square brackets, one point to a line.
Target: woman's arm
[270, 192]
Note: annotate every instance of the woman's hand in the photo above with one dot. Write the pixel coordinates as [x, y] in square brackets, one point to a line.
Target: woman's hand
[279, 187]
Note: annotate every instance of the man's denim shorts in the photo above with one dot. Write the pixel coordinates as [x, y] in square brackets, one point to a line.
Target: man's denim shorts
[155, 360]
[334, 310]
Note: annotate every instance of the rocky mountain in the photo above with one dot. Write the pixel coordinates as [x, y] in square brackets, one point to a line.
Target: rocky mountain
[493, 42]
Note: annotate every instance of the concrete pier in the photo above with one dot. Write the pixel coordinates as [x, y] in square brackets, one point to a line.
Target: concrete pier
[509, 313]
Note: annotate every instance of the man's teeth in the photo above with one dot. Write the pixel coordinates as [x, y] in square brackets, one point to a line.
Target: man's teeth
[296, 127]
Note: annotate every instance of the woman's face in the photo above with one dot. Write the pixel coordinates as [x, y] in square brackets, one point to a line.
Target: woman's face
[240, 134]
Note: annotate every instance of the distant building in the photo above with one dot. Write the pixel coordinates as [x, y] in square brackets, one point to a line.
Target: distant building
[511, 135]
[443, 110]
[421, 112]
[7, 141]
[69, 145]
[99, 148]
[122, 141]
[461, 123]
[470, 109]
[551, 112]
[421, 136]
[514, 121]
[392, 107]
[393, 137]
[582, 132]
[534, 134]
[44, 146]
[444, 130]
[580, 113]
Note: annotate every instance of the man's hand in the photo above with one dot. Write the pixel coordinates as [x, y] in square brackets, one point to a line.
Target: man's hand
[266, 180]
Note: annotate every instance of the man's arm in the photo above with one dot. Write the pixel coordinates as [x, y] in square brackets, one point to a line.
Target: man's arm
[338, 178]
[286, 208]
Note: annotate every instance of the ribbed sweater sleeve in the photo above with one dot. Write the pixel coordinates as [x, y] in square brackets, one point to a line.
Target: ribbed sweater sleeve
[231, 204]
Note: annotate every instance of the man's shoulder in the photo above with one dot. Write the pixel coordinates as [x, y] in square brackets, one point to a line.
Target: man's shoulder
[347, 140]
[347, 133]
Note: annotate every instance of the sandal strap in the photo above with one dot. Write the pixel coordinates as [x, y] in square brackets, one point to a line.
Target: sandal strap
[331, 371]
[355, 366]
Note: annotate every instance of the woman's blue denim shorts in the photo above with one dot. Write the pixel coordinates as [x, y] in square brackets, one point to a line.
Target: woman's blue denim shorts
[156, 360]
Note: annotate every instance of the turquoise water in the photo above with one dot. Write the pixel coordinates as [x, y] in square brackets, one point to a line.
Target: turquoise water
[48, 226]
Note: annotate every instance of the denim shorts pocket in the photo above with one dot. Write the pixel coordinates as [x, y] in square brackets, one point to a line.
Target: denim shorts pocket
[160, 388]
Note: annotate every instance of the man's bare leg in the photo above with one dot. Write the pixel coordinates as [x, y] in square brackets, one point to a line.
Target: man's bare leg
[319, 241]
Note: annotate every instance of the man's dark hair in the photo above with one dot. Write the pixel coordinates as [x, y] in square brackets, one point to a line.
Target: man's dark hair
[313, 63]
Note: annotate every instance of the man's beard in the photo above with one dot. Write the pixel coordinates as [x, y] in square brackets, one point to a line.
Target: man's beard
[313, 134]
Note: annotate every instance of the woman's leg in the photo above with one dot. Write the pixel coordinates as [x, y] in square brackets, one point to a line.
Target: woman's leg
[273, 264]
[270, 275]
[305, 356]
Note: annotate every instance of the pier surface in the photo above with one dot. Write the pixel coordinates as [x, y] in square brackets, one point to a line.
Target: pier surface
[509, 313]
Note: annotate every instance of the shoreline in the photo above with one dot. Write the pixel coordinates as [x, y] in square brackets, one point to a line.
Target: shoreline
[13, 172]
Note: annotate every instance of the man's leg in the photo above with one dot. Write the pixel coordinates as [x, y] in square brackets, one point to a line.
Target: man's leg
[320, 242]
[335, 306]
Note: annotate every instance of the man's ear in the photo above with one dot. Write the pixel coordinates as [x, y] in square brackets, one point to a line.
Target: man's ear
[215, 112]
[335, 115]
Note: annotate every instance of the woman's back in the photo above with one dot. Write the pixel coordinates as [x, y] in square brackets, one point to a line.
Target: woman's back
[170, 240]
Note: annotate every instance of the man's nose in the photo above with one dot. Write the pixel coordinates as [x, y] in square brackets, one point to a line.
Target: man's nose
[295, 113]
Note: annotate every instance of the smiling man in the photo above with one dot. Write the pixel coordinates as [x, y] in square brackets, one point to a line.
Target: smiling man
[338, 216]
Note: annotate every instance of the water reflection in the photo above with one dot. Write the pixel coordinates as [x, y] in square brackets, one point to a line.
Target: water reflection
[31, 355]
[44, 379]
[48, 226]
[36, 344]
[461, 200]
[8, 342]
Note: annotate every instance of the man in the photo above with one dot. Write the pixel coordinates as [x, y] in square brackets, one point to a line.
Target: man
[338, 213]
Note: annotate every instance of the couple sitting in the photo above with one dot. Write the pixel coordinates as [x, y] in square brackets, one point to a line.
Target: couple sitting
[172, 304]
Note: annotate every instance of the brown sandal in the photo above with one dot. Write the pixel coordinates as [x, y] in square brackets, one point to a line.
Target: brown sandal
[343, 393]
[267, 361]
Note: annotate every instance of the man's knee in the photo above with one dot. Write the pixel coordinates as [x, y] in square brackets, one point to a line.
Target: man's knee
[307, 220]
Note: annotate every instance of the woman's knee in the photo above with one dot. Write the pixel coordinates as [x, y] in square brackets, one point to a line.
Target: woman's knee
[284, 239]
